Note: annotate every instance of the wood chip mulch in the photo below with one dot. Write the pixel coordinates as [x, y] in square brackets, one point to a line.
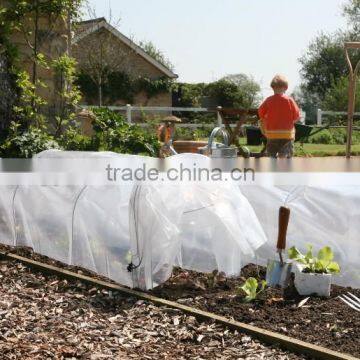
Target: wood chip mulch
[46, 317]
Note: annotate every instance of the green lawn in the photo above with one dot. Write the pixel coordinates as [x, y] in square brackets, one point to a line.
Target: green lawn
[313, 149]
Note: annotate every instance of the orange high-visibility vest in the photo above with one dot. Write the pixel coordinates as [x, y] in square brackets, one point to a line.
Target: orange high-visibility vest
[278, 113]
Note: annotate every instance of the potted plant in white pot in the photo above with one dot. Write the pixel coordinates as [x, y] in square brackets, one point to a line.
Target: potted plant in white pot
[313, 274]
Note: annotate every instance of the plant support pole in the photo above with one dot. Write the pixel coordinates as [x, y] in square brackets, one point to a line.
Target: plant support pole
[352, 91]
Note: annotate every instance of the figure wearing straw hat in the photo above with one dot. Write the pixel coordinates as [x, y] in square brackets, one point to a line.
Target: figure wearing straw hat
[166, 132]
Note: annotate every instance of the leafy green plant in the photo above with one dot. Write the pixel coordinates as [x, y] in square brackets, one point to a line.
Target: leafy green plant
[238, 90]
[28, 108]
[26, 144]
[73, 140]
[24, 18]
[155, 53]
[322, 137]
[68, 94]
[113, 133]
[322, 263]
[153, 87]
[188, 95]
[252, 288]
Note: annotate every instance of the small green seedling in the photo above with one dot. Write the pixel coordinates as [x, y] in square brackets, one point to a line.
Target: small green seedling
[321, 264]
[252, 288]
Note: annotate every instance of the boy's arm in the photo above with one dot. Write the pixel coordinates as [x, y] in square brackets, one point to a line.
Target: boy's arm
[262, 110]
[262, 115]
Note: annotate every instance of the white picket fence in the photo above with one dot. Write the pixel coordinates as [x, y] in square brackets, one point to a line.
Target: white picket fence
[128, 111]
[322, 113]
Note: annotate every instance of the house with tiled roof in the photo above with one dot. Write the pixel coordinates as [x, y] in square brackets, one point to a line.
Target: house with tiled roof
[124, 62]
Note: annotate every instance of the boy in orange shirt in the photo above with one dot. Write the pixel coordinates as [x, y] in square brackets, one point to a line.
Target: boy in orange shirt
[278, 114]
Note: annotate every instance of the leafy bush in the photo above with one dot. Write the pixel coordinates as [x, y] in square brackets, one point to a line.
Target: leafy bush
[337, 96]
[153, 87]
[239, 91]
[188, 95]
[333, 136]
[339, 136]
[322, 137]
[73, 140]
[113, 133]
[191, 134]
[27, 144]
[119, 85]
[322, 263]
[202, 133]
[236, 90]
[252, 288]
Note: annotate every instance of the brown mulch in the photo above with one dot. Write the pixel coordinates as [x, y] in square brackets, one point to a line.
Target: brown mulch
[326, 322]
[46, 317]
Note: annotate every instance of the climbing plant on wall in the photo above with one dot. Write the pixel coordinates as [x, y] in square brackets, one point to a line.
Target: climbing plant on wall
[23, 18]
[122, 86]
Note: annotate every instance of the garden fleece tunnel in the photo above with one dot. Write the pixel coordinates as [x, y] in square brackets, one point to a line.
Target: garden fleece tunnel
[135, 234]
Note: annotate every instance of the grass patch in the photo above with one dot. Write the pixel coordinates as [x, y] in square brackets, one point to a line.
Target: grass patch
[314, 150]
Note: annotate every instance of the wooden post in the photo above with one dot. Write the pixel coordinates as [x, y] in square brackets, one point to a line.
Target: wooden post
[128, 113]
[352, 92]
[351, 110]
[219, 117]
[319, 117]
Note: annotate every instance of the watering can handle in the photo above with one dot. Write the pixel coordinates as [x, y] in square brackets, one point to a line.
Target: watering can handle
[284, 216]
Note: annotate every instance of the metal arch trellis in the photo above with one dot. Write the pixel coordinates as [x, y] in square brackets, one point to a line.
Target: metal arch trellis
[352, 91]
[70, 255]
[14, 214]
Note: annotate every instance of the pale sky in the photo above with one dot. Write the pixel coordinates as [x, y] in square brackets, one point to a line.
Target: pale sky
[208, 39]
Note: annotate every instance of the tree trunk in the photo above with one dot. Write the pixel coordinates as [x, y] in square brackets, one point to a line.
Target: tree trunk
[35, 54]
[35, 51]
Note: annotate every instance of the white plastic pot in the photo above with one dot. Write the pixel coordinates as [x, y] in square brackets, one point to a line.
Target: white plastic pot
[310, 283]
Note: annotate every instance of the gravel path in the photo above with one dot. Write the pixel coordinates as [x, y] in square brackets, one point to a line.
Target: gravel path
[44, 317]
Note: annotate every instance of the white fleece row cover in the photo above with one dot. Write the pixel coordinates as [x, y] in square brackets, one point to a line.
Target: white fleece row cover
[199, 227]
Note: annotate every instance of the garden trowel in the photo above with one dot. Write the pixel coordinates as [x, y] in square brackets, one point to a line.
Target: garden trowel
[278, 272]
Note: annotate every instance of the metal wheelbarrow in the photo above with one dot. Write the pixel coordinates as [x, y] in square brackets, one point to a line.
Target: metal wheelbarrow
[255, 137]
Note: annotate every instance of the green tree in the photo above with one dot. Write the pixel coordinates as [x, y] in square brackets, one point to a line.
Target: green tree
[324, 62]
[336, 97]
[307, 102]
[155, 53]
[189, 95]
[248, 94]
[352, 13]
[238, 91]
[324, 67]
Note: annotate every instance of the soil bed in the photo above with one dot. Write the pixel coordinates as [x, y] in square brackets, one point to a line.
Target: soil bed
[326, 322]
[45, 317]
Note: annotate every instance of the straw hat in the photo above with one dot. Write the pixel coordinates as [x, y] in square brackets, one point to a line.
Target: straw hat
[172, 119]
[85, 114]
